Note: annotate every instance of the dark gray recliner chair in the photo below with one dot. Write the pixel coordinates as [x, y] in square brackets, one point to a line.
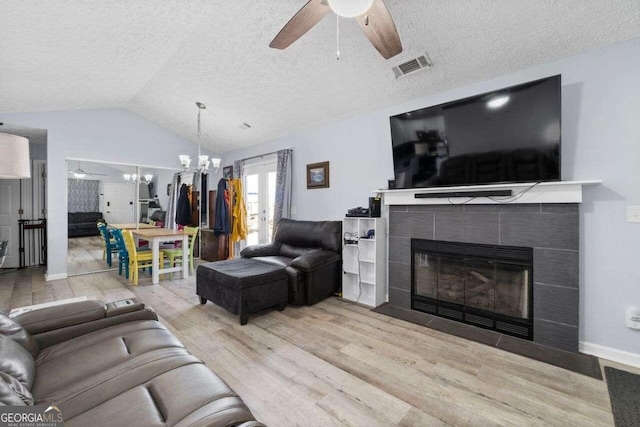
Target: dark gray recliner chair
[311, 253]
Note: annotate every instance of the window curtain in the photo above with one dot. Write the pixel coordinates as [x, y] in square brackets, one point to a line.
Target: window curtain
[282, 207]
[84, 195]
[238, 168]
[238, 171]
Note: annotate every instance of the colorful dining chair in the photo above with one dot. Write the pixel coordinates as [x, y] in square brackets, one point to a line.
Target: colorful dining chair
[175, 255]
[123, 254]
[138, 259]
[109, 246]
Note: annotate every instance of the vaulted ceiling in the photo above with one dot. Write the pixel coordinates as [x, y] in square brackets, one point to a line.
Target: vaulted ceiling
[156, 58]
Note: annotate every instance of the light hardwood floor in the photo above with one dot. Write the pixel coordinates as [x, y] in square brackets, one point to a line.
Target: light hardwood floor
[85, 255]
[338, 363]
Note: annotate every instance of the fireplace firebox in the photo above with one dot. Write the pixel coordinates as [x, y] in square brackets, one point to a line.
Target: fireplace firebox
[483, 285]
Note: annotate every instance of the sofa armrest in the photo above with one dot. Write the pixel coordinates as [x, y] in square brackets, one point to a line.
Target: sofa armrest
[265, 249]
[51, 325]
[61, 316]
[55, 336]
[316, 260]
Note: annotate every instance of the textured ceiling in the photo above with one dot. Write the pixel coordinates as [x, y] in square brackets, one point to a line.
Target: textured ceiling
[157, 58]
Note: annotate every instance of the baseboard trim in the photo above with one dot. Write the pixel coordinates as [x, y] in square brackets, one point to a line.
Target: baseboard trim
[51, 277]
[610, 353]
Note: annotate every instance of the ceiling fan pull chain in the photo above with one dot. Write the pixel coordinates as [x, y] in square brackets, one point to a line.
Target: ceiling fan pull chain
[337, 38]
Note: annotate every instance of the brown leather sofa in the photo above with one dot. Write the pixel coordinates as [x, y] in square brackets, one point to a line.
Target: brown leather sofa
[112, 364]
[310, 252]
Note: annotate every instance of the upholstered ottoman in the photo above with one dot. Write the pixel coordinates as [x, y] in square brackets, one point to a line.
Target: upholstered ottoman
[243, 286]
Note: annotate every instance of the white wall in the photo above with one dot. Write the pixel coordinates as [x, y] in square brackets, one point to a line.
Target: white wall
[111, 135]
[601, 140]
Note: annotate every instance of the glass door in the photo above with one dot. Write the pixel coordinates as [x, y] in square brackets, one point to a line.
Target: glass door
[260, 197]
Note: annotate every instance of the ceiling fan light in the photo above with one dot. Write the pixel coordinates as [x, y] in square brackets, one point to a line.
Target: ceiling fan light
[79, 175]
[498, 101]
[350, 8]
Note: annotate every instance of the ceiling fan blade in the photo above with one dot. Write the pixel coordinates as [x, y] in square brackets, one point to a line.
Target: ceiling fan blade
[380, 29]
[306, 18]
[80, 171]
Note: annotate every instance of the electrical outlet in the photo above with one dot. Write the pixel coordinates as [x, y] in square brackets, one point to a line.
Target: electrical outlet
[632, 318]
[633, 213]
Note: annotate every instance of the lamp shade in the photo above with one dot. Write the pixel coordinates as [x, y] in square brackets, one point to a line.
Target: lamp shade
[350, 8]
[14, 157]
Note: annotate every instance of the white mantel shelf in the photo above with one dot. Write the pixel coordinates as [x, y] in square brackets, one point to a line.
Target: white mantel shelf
[544, 192]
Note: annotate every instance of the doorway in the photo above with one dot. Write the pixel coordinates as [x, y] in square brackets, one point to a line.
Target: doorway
[260, 197]
[9, 215]
[23, 201]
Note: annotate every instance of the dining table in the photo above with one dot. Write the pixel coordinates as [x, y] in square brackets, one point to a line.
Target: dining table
[132, 226]
[156, 235]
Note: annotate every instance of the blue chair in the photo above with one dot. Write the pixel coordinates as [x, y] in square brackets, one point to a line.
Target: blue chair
[123, 255]
[109, 243]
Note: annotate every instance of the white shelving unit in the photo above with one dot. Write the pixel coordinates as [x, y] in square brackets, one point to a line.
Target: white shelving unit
[364, 279]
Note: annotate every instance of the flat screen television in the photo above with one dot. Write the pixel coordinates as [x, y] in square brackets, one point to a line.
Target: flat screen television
[508, 135]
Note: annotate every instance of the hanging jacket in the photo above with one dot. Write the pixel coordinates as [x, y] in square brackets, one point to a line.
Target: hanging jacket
[183, 207]
[239, 229]
[222, 221]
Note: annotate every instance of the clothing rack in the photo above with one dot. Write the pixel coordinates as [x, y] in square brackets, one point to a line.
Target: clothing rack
[231, 199]
[234, 201]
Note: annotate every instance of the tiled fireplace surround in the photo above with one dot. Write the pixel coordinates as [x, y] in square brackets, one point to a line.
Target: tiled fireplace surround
[551, 229]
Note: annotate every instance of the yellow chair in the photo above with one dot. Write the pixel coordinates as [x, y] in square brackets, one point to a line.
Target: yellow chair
[175, 255]
[138, 259]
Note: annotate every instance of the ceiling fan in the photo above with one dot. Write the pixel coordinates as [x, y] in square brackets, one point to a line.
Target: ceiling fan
[80, 173]
[372, 16]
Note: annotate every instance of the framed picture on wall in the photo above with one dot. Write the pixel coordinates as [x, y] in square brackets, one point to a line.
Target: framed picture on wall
[227, 172]
[318, 175]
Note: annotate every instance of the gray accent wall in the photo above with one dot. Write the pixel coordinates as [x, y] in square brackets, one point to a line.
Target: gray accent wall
[551, 229]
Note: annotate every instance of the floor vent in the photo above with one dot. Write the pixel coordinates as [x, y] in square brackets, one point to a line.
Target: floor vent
[413, 65]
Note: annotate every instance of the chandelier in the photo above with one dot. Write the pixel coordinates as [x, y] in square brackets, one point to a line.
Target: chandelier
[203, 160]
[132, 178]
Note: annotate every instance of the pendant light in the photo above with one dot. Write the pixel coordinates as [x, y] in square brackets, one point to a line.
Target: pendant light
[203, 159]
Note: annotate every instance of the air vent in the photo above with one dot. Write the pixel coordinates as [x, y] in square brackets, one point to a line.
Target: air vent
[479, 320]
[513, 329]
[410, 67]
[447, 312]
[428, 308]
